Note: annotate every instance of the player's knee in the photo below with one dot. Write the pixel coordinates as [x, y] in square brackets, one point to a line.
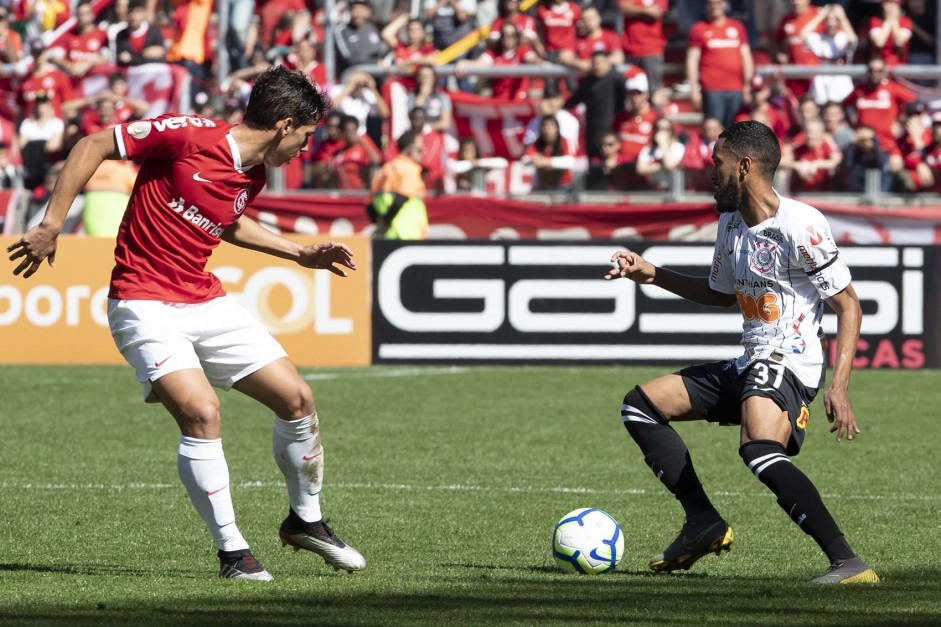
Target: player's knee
[202, 412]
[298, 403]
[637, 408]
[759, 455]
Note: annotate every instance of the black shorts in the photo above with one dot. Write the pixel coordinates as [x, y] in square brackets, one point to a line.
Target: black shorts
[717, 391]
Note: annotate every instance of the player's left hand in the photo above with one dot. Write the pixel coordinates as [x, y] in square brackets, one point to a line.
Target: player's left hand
[324, 256]
[840, 413]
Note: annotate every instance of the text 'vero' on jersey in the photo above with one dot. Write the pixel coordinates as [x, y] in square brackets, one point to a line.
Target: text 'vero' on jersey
[780, 271]
[190, 188]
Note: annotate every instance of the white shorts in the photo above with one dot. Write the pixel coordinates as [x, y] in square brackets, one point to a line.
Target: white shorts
[219, 337]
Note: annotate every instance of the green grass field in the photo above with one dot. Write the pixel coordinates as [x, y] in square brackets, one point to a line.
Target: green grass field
[449, 481]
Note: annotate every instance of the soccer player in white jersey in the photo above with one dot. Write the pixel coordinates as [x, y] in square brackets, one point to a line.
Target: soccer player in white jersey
[776, 259]
[173, 322]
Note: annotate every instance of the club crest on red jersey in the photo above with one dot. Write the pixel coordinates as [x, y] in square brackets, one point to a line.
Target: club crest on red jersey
[241, 200]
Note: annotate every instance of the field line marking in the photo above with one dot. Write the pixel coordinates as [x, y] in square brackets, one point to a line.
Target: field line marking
[456, 487]
[387, 373]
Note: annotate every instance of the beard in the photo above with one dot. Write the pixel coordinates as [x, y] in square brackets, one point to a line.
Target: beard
[728, 196]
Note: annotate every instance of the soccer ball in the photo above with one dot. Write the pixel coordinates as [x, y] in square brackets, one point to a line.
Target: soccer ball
[587, 541]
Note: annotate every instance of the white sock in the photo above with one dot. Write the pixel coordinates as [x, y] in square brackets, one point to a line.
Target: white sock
[202, 468]
[299, 455]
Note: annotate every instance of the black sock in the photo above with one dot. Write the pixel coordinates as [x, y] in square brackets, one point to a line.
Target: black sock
[666, 454]
[796, 495]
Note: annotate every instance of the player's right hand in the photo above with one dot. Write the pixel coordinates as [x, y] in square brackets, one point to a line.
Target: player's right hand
[37, 244]
[630, 265]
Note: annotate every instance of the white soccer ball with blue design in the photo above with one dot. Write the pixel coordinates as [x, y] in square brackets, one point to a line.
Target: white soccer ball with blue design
[587, 541]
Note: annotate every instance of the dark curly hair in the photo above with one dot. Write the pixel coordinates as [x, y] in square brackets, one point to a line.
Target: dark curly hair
[280, 93]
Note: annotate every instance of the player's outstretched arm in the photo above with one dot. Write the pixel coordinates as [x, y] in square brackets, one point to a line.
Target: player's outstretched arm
[836, 398]
[630, 265]
[39, 243]
[247, 233]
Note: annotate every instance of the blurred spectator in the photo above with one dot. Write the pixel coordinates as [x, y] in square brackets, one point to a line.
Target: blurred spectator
[877, 104]
[238, 41]
[44, 16]
[605, 172]
[834, 119]
[9, 154]
[414, 49]
[862, 155]
[396, 205]
[39, 201]
[290, 17]
[105, 108]
[434, 150]
[556, 21]
[469, 168]
[635, 125]
[11, 44]
[85, 47]
[662, 156]
[836, 45]
[812, 161]
[115, 21]
[507, 52]
[915, 175]
[360, 98]
[569, 126]
[191, 23]
[451, 20]
[642, 37]
[553, 158]
[762, 110]
[40, 141]
[592, 39]
[789, 41]
[357, 154]
[602, 92]
[697, 160]
[304, 58]
[140, 42]
[922, 48]
[46, 80]
[106, 196]
[435, 102]
[526, 25]
[719, 64]
[321, 172]
[929, 167]
[358, 41]
[890, 33]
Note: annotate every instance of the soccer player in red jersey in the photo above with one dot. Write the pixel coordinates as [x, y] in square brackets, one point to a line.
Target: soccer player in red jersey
[173, 322]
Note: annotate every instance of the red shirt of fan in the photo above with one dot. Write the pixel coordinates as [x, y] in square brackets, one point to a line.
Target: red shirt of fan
[890, 53]
[55, 84]
[643, 36]
[524, 24]
[634, 132]
[822, 179]
[190, 188]
[789, 32]
[87, 46]
[565, 178]
[607, 42]
[558, 23]
[510, 87]
[879, 107]
[720, 67]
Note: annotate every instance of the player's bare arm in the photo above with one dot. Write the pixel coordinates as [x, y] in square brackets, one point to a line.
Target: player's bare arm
[39, 243]
[632, 266]
[836, 398]
[246, 233]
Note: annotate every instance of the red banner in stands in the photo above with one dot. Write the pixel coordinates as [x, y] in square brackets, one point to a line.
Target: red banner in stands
[475, 217]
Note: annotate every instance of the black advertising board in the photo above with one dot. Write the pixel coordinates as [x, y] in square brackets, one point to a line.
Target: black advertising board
[546, 302]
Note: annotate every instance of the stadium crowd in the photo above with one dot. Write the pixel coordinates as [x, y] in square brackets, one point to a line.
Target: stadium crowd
[652, 84]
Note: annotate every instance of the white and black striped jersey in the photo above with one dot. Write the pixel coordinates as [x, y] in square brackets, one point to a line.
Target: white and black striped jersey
[780, 271]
